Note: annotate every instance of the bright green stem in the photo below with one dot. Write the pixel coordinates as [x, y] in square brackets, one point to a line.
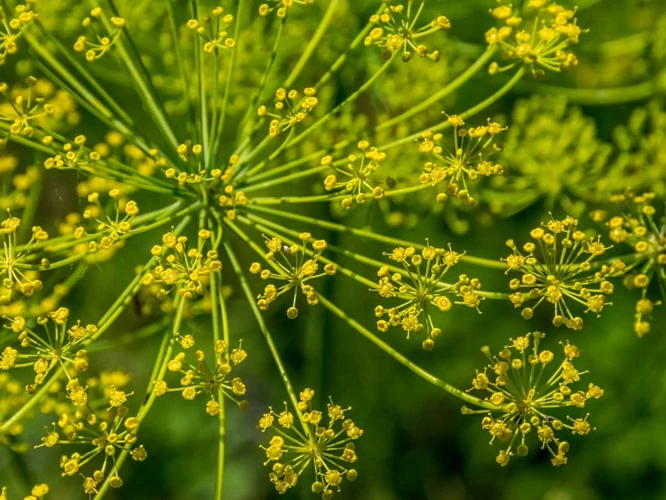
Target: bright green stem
[479, 261]
[270, 228]
[286, 178]
[220, 331]
[137, 71]
[465, 114]
[312, 45]
[159, 370]
[335, 111]
[403, 360]
[179, 58]
[355, 43]
[267, 335]
[198, 57]
[599, 97]
[248, 123]
[227, 86]
[18, 415]
[451, 87]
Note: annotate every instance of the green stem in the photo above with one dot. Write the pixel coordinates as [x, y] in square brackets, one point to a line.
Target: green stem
[598, 97]
[479, 261]
[267, 335]
[159, 370]
[218, 307]
[403, 360]
[451, 87]
[227, 85]
[312, 45]
[137, 71]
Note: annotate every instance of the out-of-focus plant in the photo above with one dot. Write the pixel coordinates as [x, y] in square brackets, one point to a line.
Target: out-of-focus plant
[243, 157]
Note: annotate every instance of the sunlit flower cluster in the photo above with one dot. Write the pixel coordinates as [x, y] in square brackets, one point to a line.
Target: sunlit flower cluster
[528, 394]
[357, 179]
[557, 269]
[185, 270]
[105, 32]
[418, 284]
[468, 160]
[302, 441]
[296, 266]
[639, 226]
[540, 40]
[397, 31]
[289, 109]
[200, 378]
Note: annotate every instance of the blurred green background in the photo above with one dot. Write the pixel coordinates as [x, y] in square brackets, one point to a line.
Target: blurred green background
[417, 444]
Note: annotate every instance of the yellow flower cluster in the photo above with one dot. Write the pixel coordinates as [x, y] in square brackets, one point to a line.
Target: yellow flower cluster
[37, 492]
[232, 199]
[557, 269]
[296, 266]
[214, 31]
[281, 7]
[357, 177]
[98, 46]
[289, 109]
[540, 46]
[397, 31]
[14, 261]
[638, 227]
[70, 156]
[50, 350]
[195, 172]
[13, 28]
[199, 378]
[186, 270]
[104, 433]
[468, 160]
[526, 391]
[23, 110]
[420, 287]
[327, 448]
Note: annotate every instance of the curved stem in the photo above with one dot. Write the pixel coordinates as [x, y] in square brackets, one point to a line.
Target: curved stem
[598, 97]
[312, 45]
[479, 261]
[451, 87]
[404, 360]
[159, 370]
[267, 335]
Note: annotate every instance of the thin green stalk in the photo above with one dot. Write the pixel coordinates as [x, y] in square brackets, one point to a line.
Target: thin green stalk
[227, 86]
[130, 58]
[465, 114]
[251, 110]
[598, 97]
[220, 331]
[312, 45]
[367, 234]
[267, 335]
[355, 43]
[203, 104]
[404, 360]
[451, 87]
[179, 59]
[159, 370]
